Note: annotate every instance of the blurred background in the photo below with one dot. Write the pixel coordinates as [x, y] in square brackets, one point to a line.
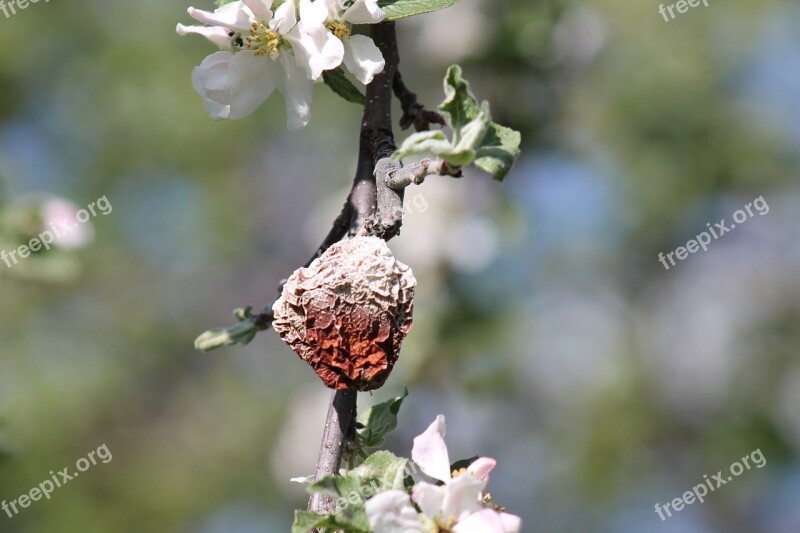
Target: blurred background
[545, 329]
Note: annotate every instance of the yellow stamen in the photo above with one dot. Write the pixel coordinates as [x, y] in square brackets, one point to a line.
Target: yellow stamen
[263, 40]
[340, 30]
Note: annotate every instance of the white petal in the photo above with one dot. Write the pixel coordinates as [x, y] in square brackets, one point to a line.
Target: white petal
[481, 467]
[485, 521]
[251, 83]
[429, 498]
[462, 496]
[233, 85]
[209, 76]
[430, 451]
[364, 12]
[233, 16]
[316, 48]
[363, 58]
[216, 34]
[297, 90]
[261, 9]
[511, 522]
[285, 18]
[314, 13]
[392, 512]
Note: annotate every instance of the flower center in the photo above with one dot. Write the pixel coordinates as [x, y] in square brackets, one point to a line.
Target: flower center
[339, 29]
[263, 40]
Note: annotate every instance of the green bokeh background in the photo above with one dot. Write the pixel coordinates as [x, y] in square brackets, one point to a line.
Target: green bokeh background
[546, 330]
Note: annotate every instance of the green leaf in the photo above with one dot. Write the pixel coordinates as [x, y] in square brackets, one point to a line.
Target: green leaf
[380, 472]
[463, 463]
[243, 332]
[424, 142]
[460, 107]
[498, 151]
[305, 521]
[476, 139]
[398, 9]
[339, 84]
[378, 421]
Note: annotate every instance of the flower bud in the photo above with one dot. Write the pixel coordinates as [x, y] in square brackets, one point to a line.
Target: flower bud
[348, 312]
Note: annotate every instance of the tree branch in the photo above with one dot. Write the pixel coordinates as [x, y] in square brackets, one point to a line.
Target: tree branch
[414, 113]
[339, 430]
[375, 205]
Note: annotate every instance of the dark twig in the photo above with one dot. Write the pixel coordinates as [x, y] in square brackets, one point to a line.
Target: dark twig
[414, 113]
[341, 418]
[374, 204]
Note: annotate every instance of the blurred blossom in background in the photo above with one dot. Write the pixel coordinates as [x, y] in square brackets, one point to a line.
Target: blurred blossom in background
[546, 330]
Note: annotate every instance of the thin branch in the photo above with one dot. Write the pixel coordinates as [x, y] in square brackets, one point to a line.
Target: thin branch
[414, 113]
[374, 203]
[339, 427]
[403, 177]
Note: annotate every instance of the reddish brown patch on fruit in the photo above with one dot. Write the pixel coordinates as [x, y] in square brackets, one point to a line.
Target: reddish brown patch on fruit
[347, 314]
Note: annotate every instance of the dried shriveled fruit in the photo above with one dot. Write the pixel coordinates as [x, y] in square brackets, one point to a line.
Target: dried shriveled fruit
[347, 314]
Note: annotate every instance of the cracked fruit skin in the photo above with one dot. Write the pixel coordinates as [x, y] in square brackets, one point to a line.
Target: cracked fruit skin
[348, 312]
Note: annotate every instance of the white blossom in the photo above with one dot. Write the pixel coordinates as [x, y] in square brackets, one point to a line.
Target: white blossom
[458, 502]
[262, 50]
[257, 55]
[333, 20]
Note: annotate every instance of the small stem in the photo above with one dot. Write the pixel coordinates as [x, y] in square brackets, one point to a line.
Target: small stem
[414, 113]
[337, 432]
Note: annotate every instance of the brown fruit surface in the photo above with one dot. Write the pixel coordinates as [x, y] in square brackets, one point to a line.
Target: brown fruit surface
[348, 312]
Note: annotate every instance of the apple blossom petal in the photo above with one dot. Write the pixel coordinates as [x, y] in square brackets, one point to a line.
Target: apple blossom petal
[334, 8]
[233, 16]
[392, 512]
[481, 467]
[511, 522]
[297, 90]
[314, 13]
[430, 451]
[285, 18]
[363, 58]
[63, 213]
[485, 521]
[233, 85]
[216, 34]
[210, 79]
[429, 498]
[463, 496]
[251, 83]
[261, 9]
[364, 12]
[316, 48]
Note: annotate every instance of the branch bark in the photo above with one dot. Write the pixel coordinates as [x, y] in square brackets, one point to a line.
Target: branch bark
[374, 205]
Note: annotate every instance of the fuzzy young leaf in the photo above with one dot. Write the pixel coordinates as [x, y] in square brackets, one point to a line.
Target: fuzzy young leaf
[305, 521]
[243, 332]
[339, 84]
[424, 142]
[380, 472]
[498, 151]
[378, 421]
[476, 139]
[460, 107]
[398, 9]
